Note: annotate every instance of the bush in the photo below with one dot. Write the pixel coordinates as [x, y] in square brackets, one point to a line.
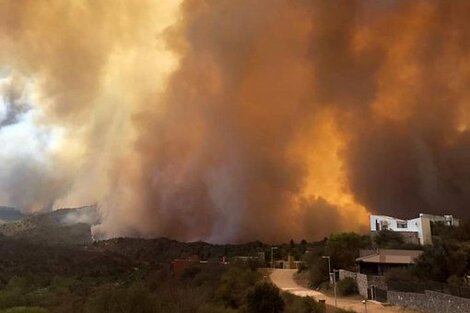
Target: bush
[454, 280]
[17, 293]
[263, 298]
[399, 275]
[190, 272]
[135, 299]
[318, 273]
[344, 249]
[346, 287]
[234, 285]
[296, 304]
[388, 239]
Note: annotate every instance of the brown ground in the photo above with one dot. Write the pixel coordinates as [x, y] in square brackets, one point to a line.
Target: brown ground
[284, 280]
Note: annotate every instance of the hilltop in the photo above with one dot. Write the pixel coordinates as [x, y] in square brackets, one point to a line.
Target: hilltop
[63, 226]
[9, 214]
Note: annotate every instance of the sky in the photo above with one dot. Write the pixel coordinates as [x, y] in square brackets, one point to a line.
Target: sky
[229, 121]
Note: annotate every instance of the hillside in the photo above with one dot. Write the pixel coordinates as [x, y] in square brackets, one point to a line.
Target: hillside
[9, 214]
[63, 226]
[164, 249]
[23, 258]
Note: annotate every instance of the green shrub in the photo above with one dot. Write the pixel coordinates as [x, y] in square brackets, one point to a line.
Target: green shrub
[263, 298]
[387, 239]
[17, 293]
[318, 273]
[399, 275]
[347, 286]
[454, 280]
[234, 284]
[135, 299]
[191, 272]
[296, 304]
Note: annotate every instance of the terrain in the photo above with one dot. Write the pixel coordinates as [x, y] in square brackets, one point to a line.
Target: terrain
[284, 280]
[45, 267]
[63, 226]
[50, 263]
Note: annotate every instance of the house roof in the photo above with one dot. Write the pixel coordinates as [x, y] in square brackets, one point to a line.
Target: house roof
[391, 256]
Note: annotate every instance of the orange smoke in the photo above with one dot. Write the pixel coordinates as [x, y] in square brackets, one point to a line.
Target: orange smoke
[239, 120]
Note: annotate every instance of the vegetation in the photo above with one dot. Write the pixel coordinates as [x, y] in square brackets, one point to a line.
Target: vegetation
[233, 286]
[102, 278]
[343, 249]
[264, 297]
[133, 275]
[388, 239]
[446, 261]
[296, 304]
[347, 287]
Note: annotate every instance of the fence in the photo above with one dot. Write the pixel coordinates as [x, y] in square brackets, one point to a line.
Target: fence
[421, 287]
[429, 301]
[380, 295]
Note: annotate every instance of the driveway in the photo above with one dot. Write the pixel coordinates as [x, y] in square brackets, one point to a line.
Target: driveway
[284, 280]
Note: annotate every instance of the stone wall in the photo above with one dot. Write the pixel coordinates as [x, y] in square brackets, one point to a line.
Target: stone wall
[344, 273]
[361, 280]
[430, 301]
[364, 281]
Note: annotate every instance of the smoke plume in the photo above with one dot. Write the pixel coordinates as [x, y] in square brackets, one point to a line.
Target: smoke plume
[237, 120]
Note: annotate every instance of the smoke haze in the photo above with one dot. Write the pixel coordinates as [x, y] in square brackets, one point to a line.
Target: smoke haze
[228, 120]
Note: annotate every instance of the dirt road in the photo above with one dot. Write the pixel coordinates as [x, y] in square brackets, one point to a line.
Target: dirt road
[284, 280]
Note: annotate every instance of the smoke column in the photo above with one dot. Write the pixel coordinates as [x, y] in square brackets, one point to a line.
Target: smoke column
[229, 121]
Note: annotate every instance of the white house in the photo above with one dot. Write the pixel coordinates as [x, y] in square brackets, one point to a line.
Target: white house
[417, 230]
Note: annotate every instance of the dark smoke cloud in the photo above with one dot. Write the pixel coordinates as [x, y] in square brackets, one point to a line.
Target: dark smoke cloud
[320, 217]
[253, 75]
[218, 160]
[413, 160]
[280, 115]
[14, 102]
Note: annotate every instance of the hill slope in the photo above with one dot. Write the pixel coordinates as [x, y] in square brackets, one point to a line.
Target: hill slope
[63, 226]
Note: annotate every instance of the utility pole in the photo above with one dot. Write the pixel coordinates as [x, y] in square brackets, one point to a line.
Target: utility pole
[329, 266]
[272, 256]
[334, 286]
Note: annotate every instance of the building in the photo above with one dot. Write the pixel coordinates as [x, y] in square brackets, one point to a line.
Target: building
[417, 230]
[290, 263]
[377, 262]
[178, 266]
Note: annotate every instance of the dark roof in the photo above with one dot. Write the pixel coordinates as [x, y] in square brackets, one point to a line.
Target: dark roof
[391, 256]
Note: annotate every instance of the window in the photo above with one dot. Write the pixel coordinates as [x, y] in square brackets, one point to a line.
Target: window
[383, 224]
[401, 224]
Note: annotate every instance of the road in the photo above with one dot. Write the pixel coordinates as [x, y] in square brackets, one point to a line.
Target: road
[284, 280]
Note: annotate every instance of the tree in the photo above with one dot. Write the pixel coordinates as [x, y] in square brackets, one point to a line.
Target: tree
[433, 263]
[400, 275]
[296, 304]
[234, 285]
[344, 249]
[441, 261]
[318, 272]
[388, 239]
[264, 298]
[135, 299]
[347, 286]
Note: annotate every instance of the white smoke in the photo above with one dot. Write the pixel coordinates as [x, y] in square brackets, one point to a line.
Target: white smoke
[27, 148]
